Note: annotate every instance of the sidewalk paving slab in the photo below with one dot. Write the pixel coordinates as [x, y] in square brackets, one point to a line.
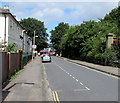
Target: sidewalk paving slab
[29, 85]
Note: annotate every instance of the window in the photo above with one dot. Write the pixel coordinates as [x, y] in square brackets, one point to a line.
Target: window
[10, 24]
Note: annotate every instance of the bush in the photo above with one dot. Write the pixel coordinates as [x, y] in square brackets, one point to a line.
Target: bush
[99, 58]
[109, 56]
[12, 47]
[90, 56]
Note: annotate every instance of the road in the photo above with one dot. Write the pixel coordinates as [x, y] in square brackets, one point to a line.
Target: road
[73, 82]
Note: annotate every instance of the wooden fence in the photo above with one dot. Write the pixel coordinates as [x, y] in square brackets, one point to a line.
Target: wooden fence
[10, 63]
[4, 65]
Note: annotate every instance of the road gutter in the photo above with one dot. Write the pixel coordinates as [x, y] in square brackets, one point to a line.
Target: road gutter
[47, 92]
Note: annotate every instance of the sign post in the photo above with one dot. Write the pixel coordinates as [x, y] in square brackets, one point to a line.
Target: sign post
[34, 46]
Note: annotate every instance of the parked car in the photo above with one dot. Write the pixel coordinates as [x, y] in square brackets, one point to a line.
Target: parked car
[46, 58]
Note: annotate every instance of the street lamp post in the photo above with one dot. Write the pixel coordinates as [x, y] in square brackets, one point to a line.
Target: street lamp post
[34, 46]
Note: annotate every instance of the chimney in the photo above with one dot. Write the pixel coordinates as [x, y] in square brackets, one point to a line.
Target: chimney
[6, 8]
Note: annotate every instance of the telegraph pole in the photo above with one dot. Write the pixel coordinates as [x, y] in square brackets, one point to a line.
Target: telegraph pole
[34, 39]
[33, 54]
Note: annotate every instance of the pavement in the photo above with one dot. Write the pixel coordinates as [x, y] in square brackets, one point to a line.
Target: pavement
[115, 71]
[30, 85]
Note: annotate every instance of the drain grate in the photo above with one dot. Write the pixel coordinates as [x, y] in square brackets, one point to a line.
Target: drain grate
[19, 83]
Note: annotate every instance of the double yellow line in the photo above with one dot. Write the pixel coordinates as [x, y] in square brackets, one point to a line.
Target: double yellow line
[55, 97]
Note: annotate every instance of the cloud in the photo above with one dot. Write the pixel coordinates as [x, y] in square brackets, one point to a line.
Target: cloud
[53, 12]
[60, 0]
[61, 11]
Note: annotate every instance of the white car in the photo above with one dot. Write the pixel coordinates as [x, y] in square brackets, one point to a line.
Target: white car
[46, 58]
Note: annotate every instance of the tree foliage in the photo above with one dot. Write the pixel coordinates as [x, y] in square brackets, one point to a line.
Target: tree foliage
[56, 34]
[87, 41]
[31, 25]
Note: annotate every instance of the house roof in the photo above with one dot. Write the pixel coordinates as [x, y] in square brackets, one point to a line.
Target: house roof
[7, 12]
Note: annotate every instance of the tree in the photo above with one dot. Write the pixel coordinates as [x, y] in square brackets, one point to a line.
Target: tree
[57, 34]
[114, 18]
[31, 25]
[87, 41]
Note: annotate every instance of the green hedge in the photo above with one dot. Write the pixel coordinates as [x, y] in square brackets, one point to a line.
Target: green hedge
[26, 58]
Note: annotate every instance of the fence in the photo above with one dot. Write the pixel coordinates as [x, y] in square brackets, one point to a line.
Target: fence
[12, 62]
[4, 65]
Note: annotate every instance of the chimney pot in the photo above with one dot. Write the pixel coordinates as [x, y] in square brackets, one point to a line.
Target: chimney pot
[6, 8]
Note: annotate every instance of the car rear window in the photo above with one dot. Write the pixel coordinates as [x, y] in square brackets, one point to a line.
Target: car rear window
[43, 53]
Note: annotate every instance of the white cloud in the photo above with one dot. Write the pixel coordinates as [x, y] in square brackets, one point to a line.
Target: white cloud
[48, 14]
[52, 13]
[60, 0]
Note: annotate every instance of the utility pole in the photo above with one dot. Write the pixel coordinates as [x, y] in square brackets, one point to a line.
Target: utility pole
[34, 39]
[34, 46]
[33, 54]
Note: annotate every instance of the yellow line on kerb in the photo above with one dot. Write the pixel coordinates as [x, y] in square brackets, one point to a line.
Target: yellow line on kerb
[55, 97]
[53, 94]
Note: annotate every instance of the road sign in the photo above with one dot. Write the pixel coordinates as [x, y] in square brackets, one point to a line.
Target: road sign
[34, 46]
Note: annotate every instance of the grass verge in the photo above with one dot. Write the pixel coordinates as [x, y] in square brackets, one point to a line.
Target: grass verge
[16, 74]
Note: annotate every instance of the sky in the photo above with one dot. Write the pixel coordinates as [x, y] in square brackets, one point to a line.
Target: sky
[52, 13]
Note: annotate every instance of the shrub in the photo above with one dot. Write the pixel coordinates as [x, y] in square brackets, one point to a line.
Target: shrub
[11, 47]
[99, 58]
[109, 56]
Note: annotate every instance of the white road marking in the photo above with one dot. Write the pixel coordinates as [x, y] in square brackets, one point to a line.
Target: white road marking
[87, 88]
[71, 76]
[67, 72]
[81, 83]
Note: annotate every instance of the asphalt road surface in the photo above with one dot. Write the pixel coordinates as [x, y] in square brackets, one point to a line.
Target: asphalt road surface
[74, 82]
